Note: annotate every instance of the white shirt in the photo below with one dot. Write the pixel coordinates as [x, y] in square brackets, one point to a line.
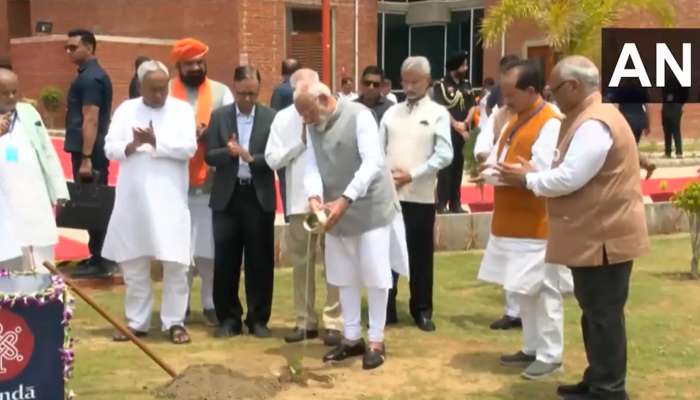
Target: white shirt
[484, 140]
[352, 96]
[392, 97]
[417, 137]
[370, 153]
[442, 150]
[586, 155]
[245, 129]
[151, 217]
[285, 149]
[27, 214]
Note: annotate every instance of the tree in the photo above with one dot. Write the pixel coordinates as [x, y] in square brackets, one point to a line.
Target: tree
[569, 26]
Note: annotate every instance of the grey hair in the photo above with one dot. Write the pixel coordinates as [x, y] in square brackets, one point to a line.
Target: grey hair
[575, 68]
[150, 66]
[315, 89]
[419, 63]
[304, 75]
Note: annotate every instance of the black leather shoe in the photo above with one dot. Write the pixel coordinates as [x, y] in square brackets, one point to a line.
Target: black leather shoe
[299, 335]
[582, 396]
[425, 324]
[506, 322]
[228, 328]
[459, 210]
[442, 210]
[579, 388]
[93, 270]
[260, 331]
[332, 338]
[344, 350]
[373, 358]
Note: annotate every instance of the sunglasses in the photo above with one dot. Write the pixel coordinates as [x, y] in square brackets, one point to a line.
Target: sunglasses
[371, 83]
[70, 48]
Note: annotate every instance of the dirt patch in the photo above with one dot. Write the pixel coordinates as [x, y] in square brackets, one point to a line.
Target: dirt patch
[216, 382]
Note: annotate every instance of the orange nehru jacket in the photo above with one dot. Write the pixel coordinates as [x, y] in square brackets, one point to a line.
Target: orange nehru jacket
[518, 213]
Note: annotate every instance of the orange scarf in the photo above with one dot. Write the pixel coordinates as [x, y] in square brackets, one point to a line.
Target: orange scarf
[198, 168]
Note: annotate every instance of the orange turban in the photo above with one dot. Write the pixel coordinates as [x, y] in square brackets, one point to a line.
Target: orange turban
[187, 49]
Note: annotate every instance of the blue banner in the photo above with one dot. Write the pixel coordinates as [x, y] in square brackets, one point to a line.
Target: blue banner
[31, 339]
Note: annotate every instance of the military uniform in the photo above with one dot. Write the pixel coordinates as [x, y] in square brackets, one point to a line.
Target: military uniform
[458, 98]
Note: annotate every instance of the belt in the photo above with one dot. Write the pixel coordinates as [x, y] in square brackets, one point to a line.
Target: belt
[244, 181]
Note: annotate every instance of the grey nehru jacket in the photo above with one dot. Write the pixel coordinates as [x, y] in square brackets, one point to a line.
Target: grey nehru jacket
[338, 158]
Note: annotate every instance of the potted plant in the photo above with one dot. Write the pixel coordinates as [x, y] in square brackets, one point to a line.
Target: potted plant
[471, 166]
[663, 194]
[51, 98]
[688, 200]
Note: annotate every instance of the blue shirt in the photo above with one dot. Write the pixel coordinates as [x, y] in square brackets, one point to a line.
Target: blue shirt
[282, 96]
[92, 86]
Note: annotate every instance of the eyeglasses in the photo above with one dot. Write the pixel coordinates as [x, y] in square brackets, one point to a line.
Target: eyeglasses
[70, 48]
[559, 86]
[371, 83]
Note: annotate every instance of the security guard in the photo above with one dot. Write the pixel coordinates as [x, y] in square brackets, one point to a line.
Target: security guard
[454, 92]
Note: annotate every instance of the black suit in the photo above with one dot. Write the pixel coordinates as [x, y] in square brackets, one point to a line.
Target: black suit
[243, 218]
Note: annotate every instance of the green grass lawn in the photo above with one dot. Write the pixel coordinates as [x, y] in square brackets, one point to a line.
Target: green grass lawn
[459, 361]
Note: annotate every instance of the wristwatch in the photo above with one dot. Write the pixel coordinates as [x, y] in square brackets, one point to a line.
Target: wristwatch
[349, 200]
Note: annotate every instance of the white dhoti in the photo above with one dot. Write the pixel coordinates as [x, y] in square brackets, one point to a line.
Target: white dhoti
[202, 239]
[139, 293]
[366, 260]
[518, 265]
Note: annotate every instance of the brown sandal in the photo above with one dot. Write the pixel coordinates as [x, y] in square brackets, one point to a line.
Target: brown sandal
[179, 335]
[119, 336]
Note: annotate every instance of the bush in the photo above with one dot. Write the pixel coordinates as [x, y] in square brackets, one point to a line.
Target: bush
[688, 199]
[51, 98]
[471, 165]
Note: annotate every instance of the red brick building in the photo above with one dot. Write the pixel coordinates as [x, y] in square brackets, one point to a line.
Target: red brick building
[264, 32]
[259, 32]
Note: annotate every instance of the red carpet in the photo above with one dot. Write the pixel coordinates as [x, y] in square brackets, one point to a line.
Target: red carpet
[68, 249]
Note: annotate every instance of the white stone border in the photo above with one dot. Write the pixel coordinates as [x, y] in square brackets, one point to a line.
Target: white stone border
[100, 38]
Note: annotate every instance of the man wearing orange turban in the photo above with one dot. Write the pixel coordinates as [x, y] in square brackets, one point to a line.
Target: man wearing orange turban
[204, 95]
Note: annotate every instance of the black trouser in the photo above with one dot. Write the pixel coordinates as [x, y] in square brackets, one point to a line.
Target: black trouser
[100, 167]
[601, 293]
[244, 228]
[671, 114]
[449, 184]
[419, 220]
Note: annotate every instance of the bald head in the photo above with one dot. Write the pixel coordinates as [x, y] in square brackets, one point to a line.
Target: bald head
[573, 79]
[579, 68]
[9, 89]
[314, 102]
[303, 76]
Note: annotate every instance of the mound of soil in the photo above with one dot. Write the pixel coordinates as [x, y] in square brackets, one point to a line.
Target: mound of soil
[215, 382]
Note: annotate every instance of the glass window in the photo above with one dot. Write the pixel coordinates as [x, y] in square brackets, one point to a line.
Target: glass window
[429, 41]
[395, 46]
[463, 36]
[477, 60]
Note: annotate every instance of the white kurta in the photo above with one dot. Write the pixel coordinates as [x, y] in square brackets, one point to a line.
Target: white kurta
[285, 149]
[518, 264]
[26, 213]
[202, 231]
[365, 259]
[151, 217]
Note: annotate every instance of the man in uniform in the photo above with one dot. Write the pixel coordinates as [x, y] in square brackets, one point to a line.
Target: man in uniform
[455, 93]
